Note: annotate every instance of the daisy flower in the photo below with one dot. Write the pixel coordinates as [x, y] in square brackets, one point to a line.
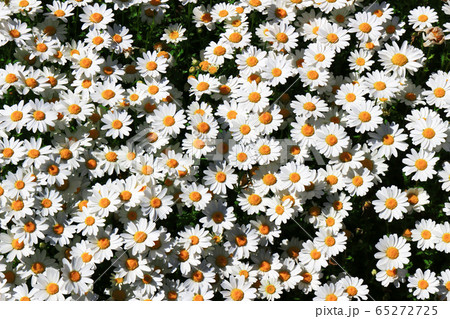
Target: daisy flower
[243, 157]
[241, 241]
[439, 93]
[429, 133]
[253, 96]
[167, 120]
[360, 60]
[329, 292]
[76, 276]
[393, 252]
[104, 243]
[312, 258]
[49, 286]
[108, 93]
[309, 106]
[88, 223]
[283, 37]
[420, 164]
[29, 230]
[391, 203]
[319, 55]
[251, 61]
[331, 139]
[270, 289]
[174, 33]
[140, 235]
[380, 85]
[329, 243]
[365, 117]
[399, 60]
[422, 284]
[15, 117]
[278, 69]
[220, 177]
[394, 276]
[218, 217]
[366, 26]
[442, 232]
[354, 288]
[350, 95]
[195, 195]
[422, 17]
[424, 234]
[237, 289]
[103, 201]
[194, 239]
[199, 278]
[334, 36]
[96, 16]
[216, 52]
[280, 212]
[117, 124]
[417, 198]
[205, 84]
[387, 139]
[314, 77]
[156, 202]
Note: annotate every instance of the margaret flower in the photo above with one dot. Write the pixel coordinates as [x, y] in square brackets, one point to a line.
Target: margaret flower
[140, 235]
[391, 203]
[49, 286]
[423, 283]
[237, 289]
[393, 252]
[400, 60]
[420, 164]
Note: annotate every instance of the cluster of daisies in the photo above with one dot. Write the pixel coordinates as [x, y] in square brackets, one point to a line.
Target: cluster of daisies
[101, 153]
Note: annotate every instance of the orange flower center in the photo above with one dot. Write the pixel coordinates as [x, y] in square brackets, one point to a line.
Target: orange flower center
[421, 164]
[392, 253]
[307, 130]
[103, 243]
[422, 284]
[131, 263]
[422, 18]
[331, 139]
[426, 234]
[330, 241]
[241, 240]
[52, 288]
[58, 229]
[104, 202]
[96, 17]
[365, 27]
[439, 92]
[399, 59]
[140, 237]
[108, 94]
[388, 139]
[312, 75]
[195, 196]
[315, 254]
[85, 63]
[332, 38]
[379, 86]
[364, 116]
[254, 199]
[254, 97]
[237, 294]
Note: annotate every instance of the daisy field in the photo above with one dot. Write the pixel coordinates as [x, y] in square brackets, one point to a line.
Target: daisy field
[199, 150]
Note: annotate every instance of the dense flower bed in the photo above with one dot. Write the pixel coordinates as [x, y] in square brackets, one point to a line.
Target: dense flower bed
[234, 150]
